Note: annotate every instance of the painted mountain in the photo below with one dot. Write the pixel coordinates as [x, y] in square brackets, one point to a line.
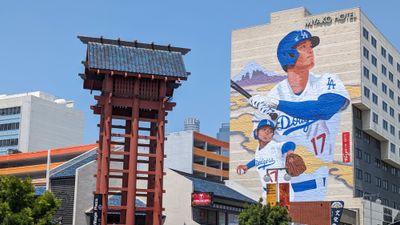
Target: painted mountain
[253, 74]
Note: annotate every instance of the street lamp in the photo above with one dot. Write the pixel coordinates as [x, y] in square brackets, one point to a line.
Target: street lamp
[267, 178]
[377, 200]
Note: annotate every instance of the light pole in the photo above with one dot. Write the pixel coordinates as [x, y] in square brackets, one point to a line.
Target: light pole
[377, 200]
[267, 178]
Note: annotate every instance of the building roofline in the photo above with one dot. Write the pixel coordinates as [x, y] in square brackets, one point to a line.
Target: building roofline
[43, 153]
[135, 44]
[210, 140]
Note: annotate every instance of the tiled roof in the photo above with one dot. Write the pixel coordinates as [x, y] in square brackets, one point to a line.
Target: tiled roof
[68, 168]
[135, 60]
[218, 188]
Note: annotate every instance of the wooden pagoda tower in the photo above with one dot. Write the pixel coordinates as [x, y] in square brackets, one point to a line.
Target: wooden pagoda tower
[136, 82]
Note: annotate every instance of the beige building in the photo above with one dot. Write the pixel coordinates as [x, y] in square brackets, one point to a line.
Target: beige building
[352, 48]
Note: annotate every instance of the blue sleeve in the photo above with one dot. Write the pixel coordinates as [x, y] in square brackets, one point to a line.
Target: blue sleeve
[322, 109]
[288, 146]
[251, 164]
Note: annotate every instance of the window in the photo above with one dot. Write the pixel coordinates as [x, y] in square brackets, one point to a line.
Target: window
[374, 79]
[10, 111]
[398, 101]
[398, 117]
[394, 188]
[392, 147]
[392, 129]
[390, 59]
[398, 84]
[365, 33]
[367, 177]
[384, 106]
[391, 94]
[384, 70]
[366, 138]
[384, 88]
[391, 112]
[390, 76]
[9, 126]
[359, 174]
[398, 67]
[385, 166]
[373, 41]
[366, 92]
[375, 118]
[359, 153]
[374, 98]
[357, 113]
[373, 60]
[393, 171]
[9, 142]
[378, 163]
[378, 182]
[383, 52]
[366, 72]
[367, 157]
[385, 184]
[385, 124]
[366, 53]
[358, 133]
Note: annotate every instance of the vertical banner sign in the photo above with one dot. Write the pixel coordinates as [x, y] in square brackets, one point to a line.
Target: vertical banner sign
[346, 147]
[96, 216]
[271, 194]
[336, 212]
[284, 195]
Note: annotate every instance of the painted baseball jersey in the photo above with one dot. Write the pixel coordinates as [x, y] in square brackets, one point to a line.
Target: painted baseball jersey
[317, 135]
[268, 158]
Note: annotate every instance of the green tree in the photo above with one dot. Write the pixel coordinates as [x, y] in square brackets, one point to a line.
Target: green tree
[20, 206]
[259, 214]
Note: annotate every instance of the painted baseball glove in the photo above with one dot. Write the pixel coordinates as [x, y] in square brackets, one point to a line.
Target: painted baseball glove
[295, 165]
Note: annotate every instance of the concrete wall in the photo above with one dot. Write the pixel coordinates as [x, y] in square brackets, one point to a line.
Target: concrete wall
[177, 199]
[179, 150]
[85, 185]
[54, 125]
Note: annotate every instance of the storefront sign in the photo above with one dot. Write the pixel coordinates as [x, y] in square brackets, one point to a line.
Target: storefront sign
[284, 195]
[330, 20]
[346, 147]
[202, 198]
[97, 205]
[271, 194]
[336, 212]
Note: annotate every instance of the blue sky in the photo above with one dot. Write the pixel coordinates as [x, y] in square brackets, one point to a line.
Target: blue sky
[39, 49]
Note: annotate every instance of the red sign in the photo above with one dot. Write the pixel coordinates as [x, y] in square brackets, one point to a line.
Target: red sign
[284, 195]
[202, 199]
[346, 147]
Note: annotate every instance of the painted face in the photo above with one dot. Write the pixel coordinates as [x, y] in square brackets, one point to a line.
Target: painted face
[306, 55]
[265, 134]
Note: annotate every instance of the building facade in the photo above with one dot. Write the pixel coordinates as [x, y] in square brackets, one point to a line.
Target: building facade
[36, 121]
[223, 132]
[198, 154]
[364, 161]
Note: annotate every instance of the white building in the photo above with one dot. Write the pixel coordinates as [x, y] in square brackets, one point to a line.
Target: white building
[36, 121]
[354, 49]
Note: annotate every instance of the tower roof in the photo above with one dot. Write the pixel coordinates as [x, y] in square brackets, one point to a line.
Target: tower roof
[134, 57]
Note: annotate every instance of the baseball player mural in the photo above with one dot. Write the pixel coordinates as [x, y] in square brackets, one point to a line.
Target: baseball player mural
[308, 107]
[270, 155]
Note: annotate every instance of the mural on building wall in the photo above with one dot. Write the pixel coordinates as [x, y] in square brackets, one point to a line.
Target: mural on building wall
[301, 113]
